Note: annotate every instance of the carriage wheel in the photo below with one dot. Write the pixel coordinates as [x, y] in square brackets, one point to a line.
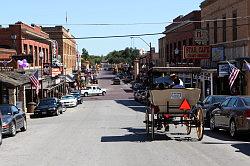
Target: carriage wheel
[152, 124]
[188, 127]
[147, 120]
[199, 123]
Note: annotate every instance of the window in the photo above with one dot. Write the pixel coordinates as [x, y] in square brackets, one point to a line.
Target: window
[25, 49]
[234, 25]
[208, 31]
[31, 50]
[15, 110]
[184, 43]
[225, 103]
[191, 41]
[224, 28]
[232, 102]
[215, 31]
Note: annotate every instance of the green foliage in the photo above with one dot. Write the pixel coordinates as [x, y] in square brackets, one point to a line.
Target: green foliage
[123, 56]
[85, 54]
[93, 59]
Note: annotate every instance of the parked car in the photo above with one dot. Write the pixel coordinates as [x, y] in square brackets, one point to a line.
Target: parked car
[127, 79]
[1, 128]
[93, 90]
[209, 104]
[140, 96]
[78, 96]
[116, 81]
[69, 101]
[233, 115]
[49, 106]
[13, 119]
[94, 81]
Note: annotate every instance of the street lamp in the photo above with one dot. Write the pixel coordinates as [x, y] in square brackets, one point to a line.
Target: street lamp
[150, 50]
[41, 55]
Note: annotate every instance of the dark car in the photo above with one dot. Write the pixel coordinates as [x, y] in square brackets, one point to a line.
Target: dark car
[13, 119]
[49, 106]
[1, 128]
[78, 96]
[94, 81]
[233, 115]
[116, 81]
[209, 104]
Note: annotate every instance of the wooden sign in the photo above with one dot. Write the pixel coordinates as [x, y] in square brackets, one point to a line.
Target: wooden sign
[196, 52]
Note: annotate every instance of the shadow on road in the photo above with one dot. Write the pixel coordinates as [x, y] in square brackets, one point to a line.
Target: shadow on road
[224, 136]
[132, 104]
[242, 148]
[140, 135]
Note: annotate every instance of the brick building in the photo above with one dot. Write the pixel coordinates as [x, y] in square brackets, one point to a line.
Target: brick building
[177, 35]
[28, 41]
[66, 46]
[229, 32]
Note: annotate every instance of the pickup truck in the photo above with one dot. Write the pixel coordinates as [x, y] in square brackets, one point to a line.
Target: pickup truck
[93, 90]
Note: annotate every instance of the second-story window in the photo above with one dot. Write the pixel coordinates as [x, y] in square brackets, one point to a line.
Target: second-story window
[224, 28]
[215, 31]
[208, 31]
[234, 25]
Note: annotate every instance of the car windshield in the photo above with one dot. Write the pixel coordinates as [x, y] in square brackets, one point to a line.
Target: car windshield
[47, 102]
[5, 110]
[67, 97]
[246, 101]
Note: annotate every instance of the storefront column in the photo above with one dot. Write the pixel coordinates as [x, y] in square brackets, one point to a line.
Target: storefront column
[12, 96]
[211, 84]
[203, 86]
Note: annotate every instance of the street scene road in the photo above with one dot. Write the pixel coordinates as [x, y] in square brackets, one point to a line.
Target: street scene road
[109, 130]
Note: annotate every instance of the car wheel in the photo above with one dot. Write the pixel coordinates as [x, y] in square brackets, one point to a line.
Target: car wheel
[233, 129]
[12, 129]
[103, 93]
[57, 112]
[1, 135]
[212, 124]
[24, 128]
[61, 112]
[85, 94]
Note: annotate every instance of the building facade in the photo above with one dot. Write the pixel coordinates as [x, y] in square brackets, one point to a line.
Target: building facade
[67, 49]
[27, 41]
[178, 34]
[227, 23]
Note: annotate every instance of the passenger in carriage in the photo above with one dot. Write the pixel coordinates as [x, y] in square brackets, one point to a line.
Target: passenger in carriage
[177, 83]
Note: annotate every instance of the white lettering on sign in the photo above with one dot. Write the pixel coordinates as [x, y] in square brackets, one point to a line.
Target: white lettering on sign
[176, 95]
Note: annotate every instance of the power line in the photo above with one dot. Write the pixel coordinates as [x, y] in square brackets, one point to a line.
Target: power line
[139, 23]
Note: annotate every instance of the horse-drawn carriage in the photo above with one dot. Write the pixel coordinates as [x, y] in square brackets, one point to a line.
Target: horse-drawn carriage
[173, 106]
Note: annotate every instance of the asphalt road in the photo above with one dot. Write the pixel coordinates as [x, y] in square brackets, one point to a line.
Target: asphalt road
[108, 131]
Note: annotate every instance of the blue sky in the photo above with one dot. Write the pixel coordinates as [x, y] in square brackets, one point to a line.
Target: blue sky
[100, 11]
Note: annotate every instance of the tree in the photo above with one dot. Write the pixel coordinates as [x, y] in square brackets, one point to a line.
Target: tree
[85, 54]
[128, 55]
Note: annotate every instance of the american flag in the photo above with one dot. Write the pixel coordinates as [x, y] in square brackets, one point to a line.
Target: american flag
[234, 71]
[247, 65]
[34, 80]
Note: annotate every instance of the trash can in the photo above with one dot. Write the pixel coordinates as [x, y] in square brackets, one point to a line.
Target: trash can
[31, 107]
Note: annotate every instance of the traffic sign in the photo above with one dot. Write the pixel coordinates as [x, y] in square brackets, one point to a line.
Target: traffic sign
[185, 105]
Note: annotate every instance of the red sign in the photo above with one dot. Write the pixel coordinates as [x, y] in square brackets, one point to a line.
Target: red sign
[185, 105]
[196, 52]
[56, 71]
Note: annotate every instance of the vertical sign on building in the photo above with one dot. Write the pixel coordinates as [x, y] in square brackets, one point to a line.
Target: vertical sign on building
[201, 36]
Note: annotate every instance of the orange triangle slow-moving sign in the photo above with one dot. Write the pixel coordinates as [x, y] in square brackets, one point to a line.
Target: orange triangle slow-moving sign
[185, 105]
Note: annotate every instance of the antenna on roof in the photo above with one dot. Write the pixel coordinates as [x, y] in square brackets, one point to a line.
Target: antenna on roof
[66, 18]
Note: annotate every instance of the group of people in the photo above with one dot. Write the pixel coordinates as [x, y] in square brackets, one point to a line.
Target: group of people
[177, 81]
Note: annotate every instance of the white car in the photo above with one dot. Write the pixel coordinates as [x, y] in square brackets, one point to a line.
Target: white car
[69, 101]
[93, 90]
